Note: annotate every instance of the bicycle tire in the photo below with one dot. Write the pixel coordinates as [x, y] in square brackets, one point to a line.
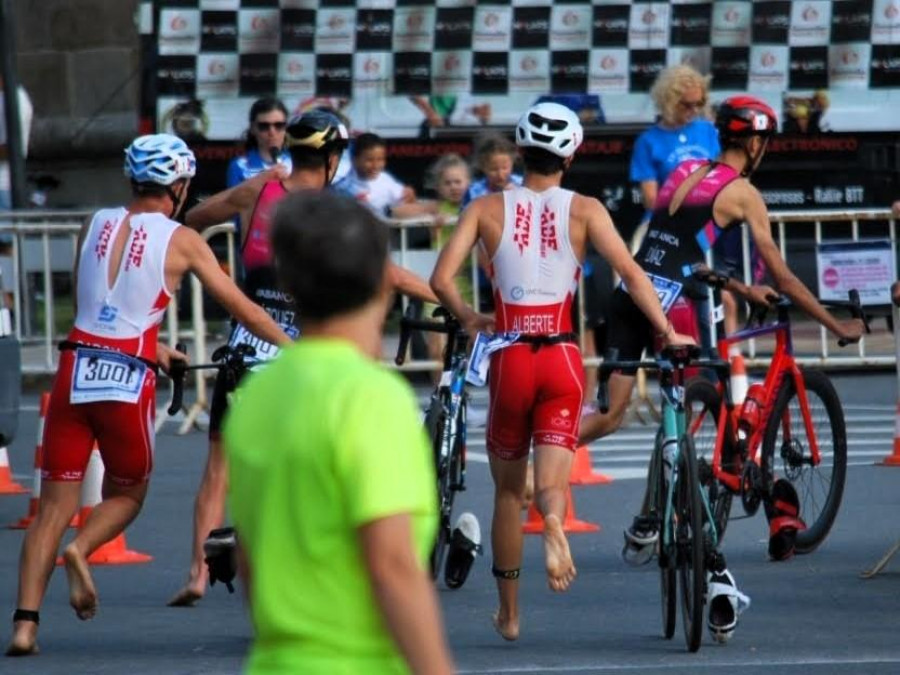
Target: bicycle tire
[804, 477]
[689, 542]
[703, 393]
[667, 558]
[434, 424]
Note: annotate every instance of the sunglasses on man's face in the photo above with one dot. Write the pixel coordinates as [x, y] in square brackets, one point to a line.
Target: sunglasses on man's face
[265, 126]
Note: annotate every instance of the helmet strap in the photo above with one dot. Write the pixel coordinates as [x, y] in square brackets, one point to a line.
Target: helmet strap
[176, 207]
[752, 162]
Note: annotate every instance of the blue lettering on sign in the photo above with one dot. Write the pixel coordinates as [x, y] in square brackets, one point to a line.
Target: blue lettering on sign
[108, 314]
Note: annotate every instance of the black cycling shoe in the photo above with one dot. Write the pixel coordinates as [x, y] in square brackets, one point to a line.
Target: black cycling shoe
[640, 541]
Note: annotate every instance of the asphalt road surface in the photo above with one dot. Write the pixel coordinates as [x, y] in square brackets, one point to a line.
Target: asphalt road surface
[810, 613]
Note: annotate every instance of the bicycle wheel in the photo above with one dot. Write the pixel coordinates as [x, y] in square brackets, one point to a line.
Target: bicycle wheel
[689, 543]
[702, 404]
[819, 488]
[667, 554]
[435, 423]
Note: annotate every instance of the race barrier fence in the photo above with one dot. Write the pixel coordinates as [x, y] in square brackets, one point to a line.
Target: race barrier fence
[43, 252]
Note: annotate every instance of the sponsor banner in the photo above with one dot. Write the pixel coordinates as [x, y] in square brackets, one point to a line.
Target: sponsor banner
[451, 71]
[490, 73]
[412, 73]
[453, 27]
[648, 26]
[179, 31]
[414, 29]
[696, 57]
[644, 66]
[608, 70]
[218, 32]
[259, 31]
[493, 29]
[220, 4]
[848, 65]
[176, 75]
[771, 22]
[258, 74]
[810, 23]
[569, 71]
[768, 68]
[610, 26]
[372, 72]
[885, 22]
[692, 25]
[529, 70]
[298, 30]
[868, 266]
[885, 67]
[335, 31]
[808, 68]
[374, 30]
[730, 67]
[531, 28]
[731, 22]
[334, 75]
[570, 27]
[851, 21]
[296, 73]
[218, 75]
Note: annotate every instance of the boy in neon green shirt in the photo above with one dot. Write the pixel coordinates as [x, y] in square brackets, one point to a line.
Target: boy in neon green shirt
[331, 483]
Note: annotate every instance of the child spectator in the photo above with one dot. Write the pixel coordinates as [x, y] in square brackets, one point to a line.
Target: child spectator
[450, 178]
[495, 156]
[376, 188]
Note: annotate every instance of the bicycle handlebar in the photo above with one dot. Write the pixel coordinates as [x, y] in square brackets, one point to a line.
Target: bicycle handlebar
[224, 357]
[672, 358]
[177, 371]
[856, 312]
[409, 323]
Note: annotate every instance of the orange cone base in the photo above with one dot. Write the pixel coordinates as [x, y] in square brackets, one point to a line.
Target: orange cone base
[7, 485]
[894, 458]
[582, 472]
[534, 524]
[114, 552]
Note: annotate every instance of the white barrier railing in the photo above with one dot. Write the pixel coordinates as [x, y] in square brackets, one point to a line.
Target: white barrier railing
[37, 250]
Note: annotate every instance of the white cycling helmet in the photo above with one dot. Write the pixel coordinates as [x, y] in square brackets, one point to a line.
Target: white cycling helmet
[159, 158]
[552, 127]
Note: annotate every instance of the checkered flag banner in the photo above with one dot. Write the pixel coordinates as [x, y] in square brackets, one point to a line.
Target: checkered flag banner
[226, 48]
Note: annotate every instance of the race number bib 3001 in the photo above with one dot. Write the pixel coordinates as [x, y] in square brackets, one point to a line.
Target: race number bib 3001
[485, 345]
[666, 290]
[103, 375]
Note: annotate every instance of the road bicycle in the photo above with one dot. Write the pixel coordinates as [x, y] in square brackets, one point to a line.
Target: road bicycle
[682, 514]
[445, 420]
[789, 426]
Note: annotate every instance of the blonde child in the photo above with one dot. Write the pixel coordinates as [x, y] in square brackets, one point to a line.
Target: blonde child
[495, 158]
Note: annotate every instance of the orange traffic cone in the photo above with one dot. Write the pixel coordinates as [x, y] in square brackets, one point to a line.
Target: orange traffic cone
[534, 524]
[115, 551]
[25, 521]
[8, 486]
[739, 381]
[582, 473]
[894, 458]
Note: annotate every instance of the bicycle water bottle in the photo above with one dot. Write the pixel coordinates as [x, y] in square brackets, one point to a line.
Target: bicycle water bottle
[751, 410]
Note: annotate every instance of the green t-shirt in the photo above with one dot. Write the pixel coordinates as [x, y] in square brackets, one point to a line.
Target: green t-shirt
[320, 442]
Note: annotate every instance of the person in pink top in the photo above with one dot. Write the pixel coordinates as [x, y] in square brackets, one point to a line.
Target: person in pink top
[535, 238]
[128, 266]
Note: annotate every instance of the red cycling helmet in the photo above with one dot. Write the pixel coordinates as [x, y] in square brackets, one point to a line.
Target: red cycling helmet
[744, 116]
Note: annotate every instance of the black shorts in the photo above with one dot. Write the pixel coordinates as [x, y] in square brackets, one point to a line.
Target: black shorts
[630, 332]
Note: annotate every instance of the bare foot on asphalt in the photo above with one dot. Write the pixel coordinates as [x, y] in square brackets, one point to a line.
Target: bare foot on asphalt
[82, 593]
[24, 639]
[507, 628]
[186, 597]
[558, 558]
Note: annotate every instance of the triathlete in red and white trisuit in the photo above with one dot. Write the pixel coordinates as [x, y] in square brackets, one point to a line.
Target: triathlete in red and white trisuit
[107, 395]
[536, 390]
[129, 263]
[535, 237]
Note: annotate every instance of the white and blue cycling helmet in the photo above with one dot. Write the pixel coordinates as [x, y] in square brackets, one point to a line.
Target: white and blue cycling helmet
[160, 159]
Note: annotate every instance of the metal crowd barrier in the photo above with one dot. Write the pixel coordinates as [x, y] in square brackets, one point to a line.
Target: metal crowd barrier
[44, 242]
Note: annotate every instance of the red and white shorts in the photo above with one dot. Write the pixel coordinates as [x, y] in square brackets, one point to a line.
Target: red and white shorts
[124, 432]
[535, 395]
